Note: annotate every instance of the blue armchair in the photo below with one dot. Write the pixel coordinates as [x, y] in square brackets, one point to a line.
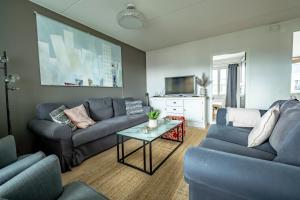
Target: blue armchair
[10, 164]
[34, 177]
[43, 181]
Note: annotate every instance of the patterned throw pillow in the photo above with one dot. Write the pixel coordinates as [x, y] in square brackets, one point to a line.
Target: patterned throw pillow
[60, 117]
[134, 107]
[79, 117]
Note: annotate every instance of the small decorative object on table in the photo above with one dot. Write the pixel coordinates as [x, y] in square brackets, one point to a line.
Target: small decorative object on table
[153, 116]
[173, 134]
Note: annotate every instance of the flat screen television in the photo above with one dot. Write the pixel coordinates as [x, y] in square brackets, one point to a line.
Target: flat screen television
[183, 85]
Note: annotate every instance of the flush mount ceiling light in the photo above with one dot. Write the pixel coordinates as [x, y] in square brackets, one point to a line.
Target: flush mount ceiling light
[131, 18]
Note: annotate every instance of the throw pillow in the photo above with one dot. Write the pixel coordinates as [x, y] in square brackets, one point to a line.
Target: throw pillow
[263, 129]
[134, 107]
[243, 117]
[79, 117]
[60, 117]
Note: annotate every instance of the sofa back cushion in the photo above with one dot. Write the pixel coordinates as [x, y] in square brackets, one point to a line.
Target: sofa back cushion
[288, 119]
[119, 105]
[43, 110]
[101, 108]
[288, 152]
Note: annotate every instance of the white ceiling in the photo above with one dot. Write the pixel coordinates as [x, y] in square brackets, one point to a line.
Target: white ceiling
[171, 22]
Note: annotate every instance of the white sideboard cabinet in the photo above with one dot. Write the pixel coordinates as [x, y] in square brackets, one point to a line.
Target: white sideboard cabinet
[192, 108]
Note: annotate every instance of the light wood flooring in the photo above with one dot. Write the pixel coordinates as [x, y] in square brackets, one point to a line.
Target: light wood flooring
[118, 182]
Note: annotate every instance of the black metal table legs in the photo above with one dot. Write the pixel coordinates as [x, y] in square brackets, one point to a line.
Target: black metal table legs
[152, 169]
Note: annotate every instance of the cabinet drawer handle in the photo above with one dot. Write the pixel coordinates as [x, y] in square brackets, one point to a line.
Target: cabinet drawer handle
[174, 102]
[174, 109]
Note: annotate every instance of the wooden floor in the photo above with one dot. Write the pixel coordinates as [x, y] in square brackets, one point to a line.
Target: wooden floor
[117, 181]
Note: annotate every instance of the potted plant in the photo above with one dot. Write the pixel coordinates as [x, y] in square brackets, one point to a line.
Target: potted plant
[153, 116]
[204, 82]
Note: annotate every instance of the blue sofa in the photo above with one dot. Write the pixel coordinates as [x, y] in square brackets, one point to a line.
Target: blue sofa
[223, 167]
[72, 148]
[36, 177]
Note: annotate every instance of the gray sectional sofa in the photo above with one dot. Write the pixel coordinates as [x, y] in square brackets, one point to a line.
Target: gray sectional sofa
[72, 148]
[223, 167]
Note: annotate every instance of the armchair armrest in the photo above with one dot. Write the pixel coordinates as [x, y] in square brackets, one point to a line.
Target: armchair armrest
[50, 130]
[8, 153]
[17, 167]
[40, 181]
[242, 176]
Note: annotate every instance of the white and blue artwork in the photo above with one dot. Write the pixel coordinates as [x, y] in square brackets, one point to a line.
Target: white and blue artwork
[70, 57]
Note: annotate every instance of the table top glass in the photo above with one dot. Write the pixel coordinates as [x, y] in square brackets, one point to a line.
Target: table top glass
[142, 132]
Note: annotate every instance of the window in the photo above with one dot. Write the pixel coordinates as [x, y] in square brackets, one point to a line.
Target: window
[295, 80]
[219, 79]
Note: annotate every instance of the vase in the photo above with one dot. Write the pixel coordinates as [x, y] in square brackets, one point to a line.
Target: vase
[203, 91]
[152, 123]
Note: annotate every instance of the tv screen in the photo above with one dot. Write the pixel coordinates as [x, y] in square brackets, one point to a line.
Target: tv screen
[180, 85]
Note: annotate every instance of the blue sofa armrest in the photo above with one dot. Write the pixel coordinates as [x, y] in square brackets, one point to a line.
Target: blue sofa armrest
[40, 181]
[221, 116]
[8, 153]
[246, 177]
[50, 130]
[222, 112]
[146, 109]
[17, 167]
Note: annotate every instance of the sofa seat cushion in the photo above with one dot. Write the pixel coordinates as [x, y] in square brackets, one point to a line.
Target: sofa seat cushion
[228, 147]
[237, 136]
[229, 134]
[106, 127]
[101, 108]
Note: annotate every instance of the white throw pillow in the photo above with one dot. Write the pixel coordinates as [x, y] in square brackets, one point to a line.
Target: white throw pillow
[243, 117]
[263, 129]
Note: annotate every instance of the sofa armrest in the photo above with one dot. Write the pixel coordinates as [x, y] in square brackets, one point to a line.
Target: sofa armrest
[40, 181]
[242, 176]
[17, 167]
[221, 116]
[146, 109]
[50, 130]
[54, 138]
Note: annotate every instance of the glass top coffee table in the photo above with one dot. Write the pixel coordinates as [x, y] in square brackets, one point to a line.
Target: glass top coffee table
[142, 133]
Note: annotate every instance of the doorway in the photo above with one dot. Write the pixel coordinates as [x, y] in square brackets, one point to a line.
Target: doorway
[228, 74]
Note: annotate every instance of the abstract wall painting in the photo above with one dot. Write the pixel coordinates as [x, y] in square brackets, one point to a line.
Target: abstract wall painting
[70, 57]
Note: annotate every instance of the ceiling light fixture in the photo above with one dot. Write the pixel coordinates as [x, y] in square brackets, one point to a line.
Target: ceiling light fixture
[131, 18]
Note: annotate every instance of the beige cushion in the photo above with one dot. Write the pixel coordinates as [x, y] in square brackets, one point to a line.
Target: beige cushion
[263, 129]
[243, 117]
[79, 117]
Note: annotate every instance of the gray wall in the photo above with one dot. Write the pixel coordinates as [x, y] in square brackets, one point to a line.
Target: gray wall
[19, 38]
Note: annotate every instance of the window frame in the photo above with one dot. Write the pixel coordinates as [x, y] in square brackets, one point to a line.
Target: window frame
[219, 80]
